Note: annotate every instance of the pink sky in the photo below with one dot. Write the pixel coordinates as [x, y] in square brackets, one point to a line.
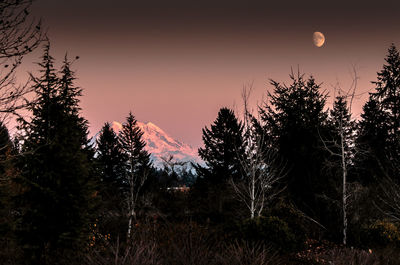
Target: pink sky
[178, 76]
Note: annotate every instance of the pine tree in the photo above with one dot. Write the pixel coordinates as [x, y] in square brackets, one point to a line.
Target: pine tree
[222, 143]
[379, 133]
[112, 169]
[372, 141]
[294, 120]
[111, 158]
[6, 177]
[56, 169]
[388, 95]
[138, 165]
[223, 146]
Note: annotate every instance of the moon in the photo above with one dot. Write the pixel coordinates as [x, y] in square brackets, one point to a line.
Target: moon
[318, 39]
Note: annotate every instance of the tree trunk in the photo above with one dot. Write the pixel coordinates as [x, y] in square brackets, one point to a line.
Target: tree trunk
[252, 206]
[344, 169]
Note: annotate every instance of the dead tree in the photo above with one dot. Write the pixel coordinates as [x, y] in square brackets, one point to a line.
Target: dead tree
[260, 167]
[342, 146]
[18, 37]
[173, 166]
[136, 184]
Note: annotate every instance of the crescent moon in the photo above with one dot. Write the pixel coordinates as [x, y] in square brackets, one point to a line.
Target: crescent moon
[318, 39]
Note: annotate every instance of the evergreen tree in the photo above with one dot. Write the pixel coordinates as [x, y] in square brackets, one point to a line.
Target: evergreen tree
[371, 140]
[223, 146]
[111, 159]
[138, 165]
[56, 169]
[388, 95]
[294, 120]
[223, 143]
[112, 169]
[379, 133]
[6, 190]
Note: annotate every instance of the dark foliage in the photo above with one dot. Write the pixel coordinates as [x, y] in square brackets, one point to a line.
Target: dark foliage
[223, 145]
[56, 180]
[379, 127]
[111, 162]
[295, 120]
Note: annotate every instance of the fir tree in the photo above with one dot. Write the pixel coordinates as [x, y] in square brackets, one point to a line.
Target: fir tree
[223, 143]
[388, 95]
[112, 169]
[111, 158]
[138, 165]
[6, 177]
[294, 120]
[223, 146]
[56, 169]
[379, 133]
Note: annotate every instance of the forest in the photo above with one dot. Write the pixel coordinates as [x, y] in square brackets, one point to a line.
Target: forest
[295, 181]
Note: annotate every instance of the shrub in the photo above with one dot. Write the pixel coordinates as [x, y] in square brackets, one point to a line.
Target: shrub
[381, 233]
[269, 230]
[179, 244]
[295, 220]
[245, 253]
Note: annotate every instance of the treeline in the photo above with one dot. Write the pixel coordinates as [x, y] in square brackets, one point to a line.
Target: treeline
[321, 173]
[337, 176]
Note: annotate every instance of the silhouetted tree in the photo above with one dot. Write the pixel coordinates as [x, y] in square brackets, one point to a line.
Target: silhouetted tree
[340, 145]
[112, 166]
[388, 95]
[138, 165]
[56, 169]
[223, 144]
[293, 118]
[261, 170]
[6, 191]
[379, 133]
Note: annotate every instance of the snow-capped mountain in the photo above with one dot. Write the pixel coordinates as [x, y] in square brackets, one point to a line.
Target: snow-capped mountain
[160, 145]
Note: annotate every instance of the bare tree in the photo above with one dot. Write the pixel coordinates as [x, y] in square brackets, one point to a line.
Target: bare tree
[18, 37]
[172, 166]
[343, 147]
[136, 184]
[260, 166]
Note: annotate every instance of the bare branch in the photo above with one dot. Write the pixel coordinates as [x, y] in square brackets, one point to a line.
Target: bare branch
[18, 37]
[261, 170]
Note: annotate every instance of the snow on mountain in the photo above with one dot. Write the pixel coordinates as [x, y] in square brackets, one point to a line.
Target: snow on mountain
[159, 144]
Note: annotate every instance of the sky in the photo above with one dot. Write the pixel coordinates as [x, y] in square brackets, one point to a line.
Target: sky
[176, 63]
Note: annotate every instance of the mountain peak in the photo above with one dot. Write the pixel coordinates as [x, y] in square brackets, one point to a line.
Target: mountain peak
[150, 124]
[116, 126]
[160, 145]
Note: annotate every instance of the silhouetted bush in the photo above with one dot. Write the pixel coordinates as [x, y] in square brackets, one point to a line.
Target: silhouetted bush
[271, 230]
[179, 244]
[381, 233]
[296, 221]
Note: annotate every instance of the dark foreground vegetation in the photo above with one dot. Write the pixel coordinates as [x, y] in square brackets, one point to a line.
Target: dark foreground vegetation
[296, 182]
[188, 244]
